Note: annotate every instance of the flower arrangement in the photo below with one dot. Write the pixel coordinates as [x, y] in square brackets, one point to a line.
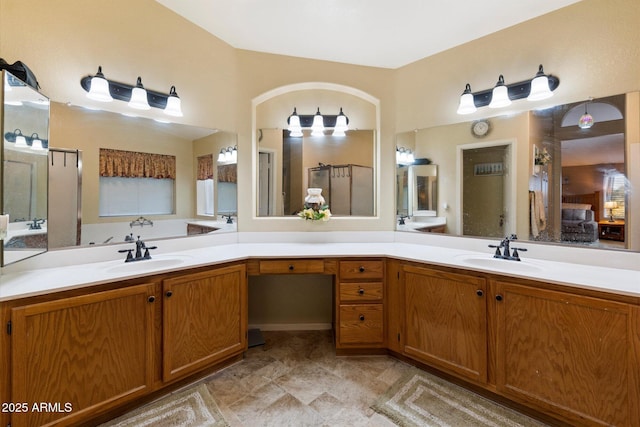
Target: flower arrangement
[321, 213]
[542, 158]
[314, 207]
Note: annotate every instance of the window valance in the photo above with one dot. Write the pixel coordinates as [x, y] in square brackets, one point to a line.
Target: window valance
[228, 173]
[205, 167]
[132, 164]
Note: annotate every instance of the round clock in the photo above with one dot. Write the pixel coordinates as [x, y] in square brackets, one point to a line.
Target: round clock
[480, 128]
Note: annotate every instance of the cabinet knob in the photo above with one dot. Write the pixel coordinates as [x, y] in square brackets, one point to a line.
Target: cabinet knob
[291, 268]
[169, 293]
[498, 297]
[361, 269]
[361, 291]
[151, 298]
[479, 292]
[362, 317]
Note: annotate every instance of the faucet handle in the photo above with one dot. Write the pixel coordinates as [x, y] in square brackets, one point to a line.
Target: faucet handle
[146, 251]
[515, 255]
[497, 254]
[129, 254]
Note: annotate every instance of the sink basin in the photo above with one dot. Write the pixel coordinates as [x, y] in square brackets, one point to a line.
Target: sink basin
[155, 263]
[499, 264]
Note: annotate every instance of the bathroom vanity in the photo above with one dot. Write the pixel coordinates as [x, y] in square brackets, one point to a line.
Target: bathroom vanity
[104, 337]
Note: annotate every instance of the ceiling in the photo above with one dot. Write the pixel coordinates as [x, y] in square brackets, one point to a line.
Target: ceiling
[377, 33]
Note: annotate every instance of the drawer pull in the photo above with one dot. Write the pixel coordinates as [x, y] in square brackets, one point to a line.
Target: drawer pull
[290, 267]
[168, 294]
[479, 292]
[151, 298]
[498, 297]
[362, 317]
[361, 269]
[361, 291]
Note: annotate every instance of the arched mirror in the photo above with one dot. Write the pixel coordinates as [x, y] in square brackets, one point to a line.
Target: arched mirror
[25, 130]
[341, 163]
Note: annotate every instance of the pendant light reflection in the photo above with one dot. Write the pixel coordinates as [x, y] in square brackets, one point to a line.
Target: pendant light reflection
[228, 155]
[586, 120]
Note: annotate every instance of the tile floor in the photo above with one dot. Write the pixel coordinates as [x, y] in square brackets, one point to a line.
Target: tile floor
[295, 379]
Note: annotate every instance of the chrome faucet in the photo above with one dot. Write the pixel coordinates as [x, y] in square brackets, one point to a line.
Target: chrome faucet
[140, 246]
[402, 218]
[507, 253]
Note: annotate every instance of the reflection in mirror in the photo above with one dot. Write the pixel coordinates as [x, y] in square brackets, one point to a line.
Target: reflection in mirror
[288, 161]
[85, 132]
[341, 165]
[575, 186]
[25, 130]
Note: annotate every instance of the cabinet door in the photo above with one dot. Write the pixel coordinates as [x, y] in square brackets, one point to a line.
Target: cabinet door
[204, 318]
[572, 355]
[78, 356]
[446, 321]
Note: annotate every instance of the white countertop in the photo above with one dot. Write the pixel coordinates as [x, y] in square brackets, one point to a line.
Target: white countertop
[185, 253]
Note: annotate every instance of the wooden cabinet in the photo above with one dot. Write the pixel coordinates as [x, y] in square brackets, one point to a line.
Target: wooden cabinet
[204, 319]
[82, 355]
[611, 230]
[446, 321]
[575, 356]
[359, 301]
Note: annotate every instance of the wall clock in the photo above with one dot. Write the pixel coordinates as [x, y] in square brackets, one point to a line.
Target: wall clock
[480, 128]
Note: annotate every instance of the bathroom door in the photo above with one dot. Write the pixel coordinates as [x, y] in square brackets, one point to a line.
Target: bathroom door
[484, 212]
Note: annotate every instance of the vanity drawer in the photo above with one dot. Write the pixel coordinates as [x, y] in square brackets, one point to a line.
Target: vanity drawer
[294, 266]
[361, 291]
[361, 324]
[361, 269]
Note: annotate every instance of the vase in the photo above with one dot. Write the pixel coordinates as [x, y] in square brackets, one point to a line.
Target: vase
[314, 198]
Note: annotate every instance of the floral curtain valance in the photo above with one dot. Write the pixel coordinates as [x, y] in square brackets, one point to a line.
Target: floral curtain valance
[205, 167]
[132, 164]
[227, 173]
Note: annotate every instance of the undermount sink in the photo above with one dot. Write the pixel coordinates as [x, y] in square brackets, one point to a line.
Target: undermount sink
[499, 264]
[156, 262]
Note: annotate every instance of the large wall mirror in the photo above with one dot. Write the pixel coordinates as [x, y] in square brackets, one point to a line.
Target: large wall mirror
[342, 165]
[570, 182]
[25, 130]
[199, 190]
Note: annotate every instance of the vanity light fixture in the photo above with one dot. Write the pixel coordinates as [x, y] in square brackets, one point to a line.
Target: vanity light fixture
[538, 88]
[500, 95]
[36, 142]
[228, 155]
[99, 88]
[317, 123]
[21, 141]
[404, 156]
[317, 128]
[294, 124]
[136, 96]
